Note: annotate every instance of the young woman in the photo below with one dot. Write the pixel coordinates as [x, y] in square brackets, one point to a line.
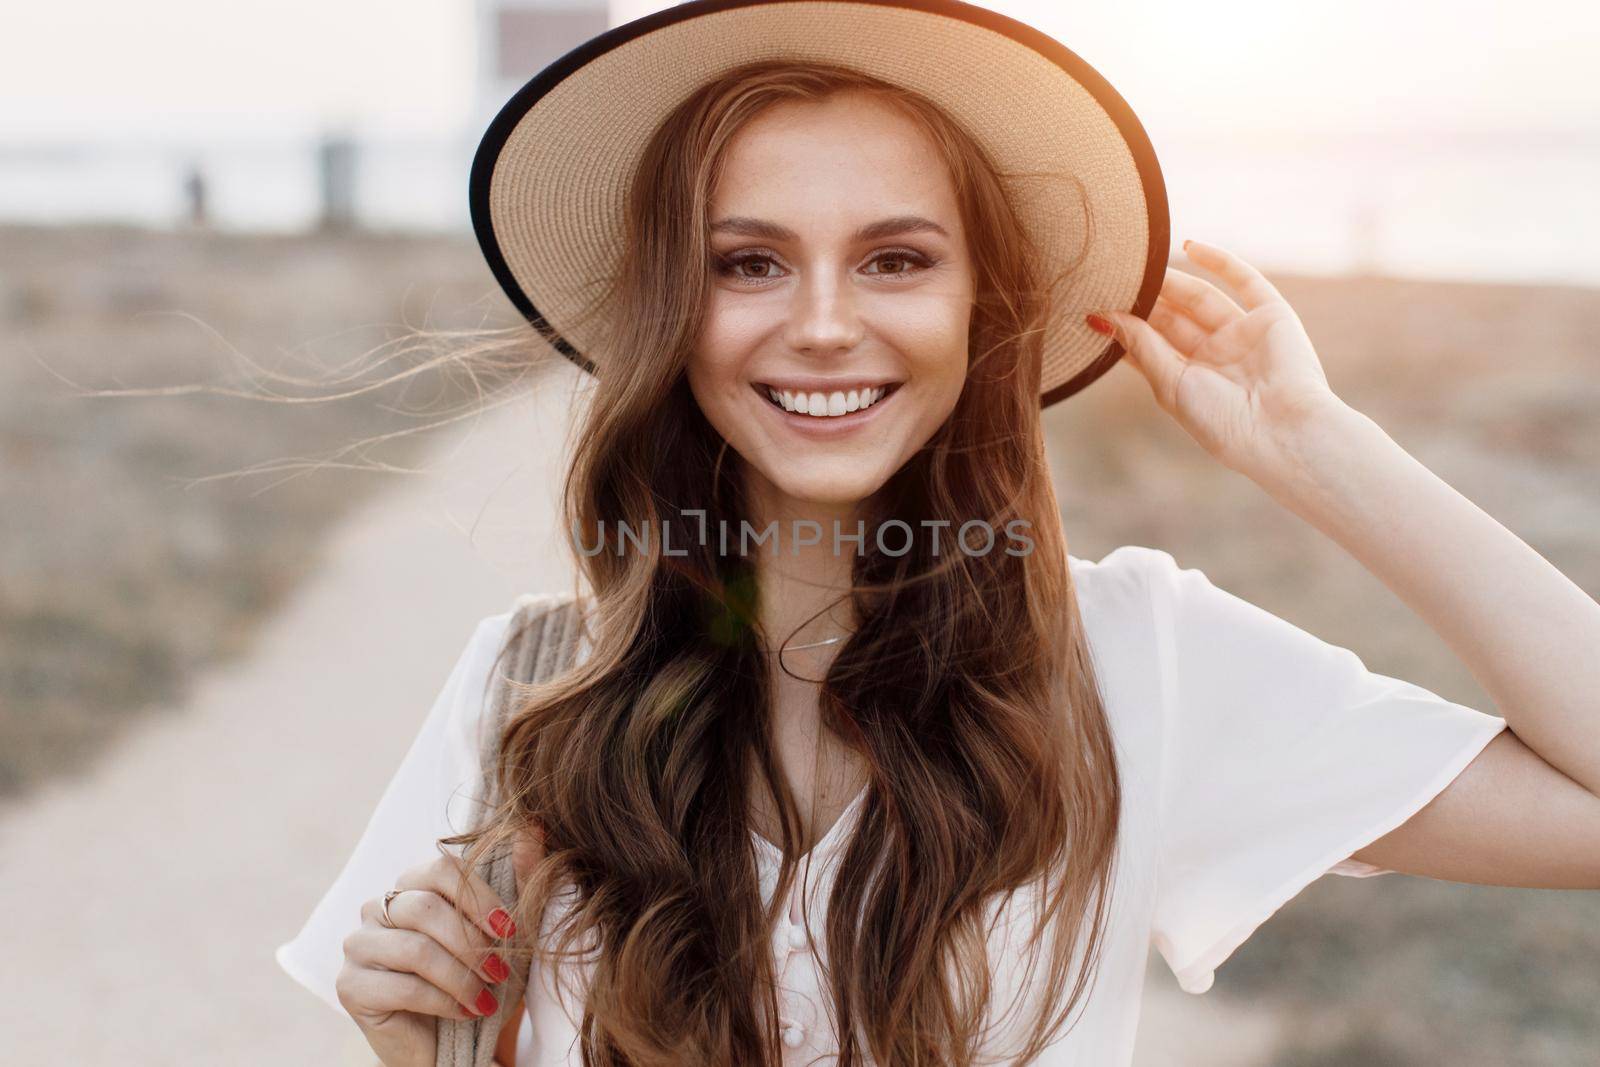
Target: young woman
[908, 783]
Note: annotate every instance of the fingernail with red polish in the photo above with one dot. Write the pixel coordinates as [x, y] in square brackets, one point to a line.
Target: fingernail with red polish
[1099, 324]
[496, 967]
[486, 1004]
[500, 919]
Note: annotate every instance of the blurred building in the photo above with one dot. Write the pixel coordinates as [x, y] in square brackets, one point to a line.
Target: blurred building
[519, 38]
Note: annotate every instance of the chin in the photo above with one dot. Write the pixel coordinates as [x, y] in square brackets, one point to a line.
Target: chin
[829, 487]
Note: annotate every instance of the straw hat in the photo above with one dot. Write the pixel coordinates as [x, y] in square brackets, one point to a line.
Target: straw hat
[550, 176]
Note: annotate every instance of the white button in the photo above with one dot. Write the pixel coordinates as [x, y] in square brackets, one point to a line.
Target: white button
[788, 938]
[793, 1035]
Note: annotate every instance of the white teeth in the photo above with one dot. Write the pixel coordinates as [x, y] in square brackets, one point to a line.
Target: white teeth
[826, 405]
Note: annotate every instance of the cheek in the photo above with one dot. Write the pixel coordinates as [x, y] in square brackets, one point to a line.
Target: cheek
[709, 385]
[714, 373]
[731, 328]
[933, 339]
[723, 346]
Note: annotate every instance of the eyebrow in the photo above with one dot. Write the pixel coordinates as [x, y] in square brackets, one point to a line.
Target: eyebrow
[894, 226]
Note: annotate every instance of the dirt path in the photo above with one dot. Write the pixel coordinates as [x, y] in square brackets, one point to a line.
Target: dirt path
[143, 903]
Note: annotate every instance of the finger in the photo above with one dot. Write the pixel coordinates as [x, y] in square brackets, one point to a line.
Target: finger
[1252, 286]
[1200, 300]
[1184, 333]
[1160, 363]
[427, 914]
[370, 991]
[419, 953]
[449, 876]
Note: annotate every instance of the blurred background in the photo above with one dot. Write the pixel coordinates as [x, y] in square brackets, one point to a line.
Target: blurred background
[221, 624]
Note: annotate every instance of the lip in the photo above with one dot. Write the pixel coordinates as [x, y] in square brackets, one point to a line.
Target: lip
[822, 428]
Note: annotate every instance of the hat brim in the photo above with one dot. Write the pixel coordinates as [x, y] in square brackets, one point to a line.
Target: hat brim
[550, 176]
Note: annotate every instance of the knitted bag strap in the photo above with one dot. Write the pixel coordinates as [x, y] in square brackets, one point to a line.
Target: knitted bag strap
[541, 642]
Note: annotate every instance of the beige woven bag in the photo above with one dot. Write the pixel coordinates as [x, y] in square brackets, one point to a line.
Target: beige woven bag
[542, 641]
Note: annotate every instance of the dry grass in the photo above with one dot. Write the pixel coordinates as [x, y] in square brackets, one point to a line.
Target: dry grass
[120, 576]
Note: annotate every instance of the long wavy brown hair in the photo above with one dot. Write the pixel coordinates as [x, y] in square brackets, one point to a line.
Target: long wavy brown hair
[967, 687]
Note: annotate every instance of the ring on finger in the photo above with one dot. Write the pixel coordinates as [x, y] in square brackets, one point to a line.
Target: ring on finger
[386, 920]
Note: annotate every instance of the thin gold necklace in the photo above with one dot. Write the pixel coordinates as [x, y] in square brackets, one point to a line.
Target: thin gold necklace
[814, 644]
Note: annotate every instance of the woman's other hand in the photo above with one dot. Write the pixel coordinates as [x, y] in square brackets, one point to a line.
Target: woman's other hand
[1240, 377]
[397, 982]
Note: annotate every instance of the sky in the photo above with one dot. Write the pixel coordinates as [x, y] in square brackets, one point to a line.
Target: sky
[113, 69]
[174, 68]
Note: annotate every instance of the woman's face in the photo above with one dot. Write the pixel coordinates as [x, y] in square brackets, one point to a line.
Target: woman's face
[842, 286]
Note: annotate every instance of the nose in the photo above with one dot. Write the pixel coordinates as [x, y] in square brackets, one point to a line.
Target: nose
[823, 318]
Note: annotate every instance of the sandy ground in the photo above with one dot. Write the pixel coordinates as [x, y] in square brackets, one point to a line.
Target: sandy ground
[206, 842]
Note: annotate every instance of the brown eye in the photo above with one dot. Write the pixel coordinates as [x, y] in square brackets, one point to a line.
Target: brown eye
[904, 263]
[732, 266]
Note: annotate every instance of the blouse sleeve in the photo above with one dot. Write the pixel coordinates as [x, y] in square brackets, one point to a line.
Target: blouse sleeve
[430, 796]
[1282, 756]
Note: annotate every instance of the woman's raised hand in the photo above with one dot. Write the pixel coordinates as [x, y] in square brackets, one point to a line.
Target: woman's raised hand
[1237, 376]
[398, 981]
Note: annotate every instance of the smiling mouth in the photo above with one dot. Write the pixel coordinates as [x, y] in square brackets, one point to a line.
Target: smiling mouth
[826, 405]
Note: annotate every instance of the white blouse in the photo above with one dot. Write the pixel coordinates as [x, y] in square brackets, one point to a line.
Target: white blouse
[1254, 757]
